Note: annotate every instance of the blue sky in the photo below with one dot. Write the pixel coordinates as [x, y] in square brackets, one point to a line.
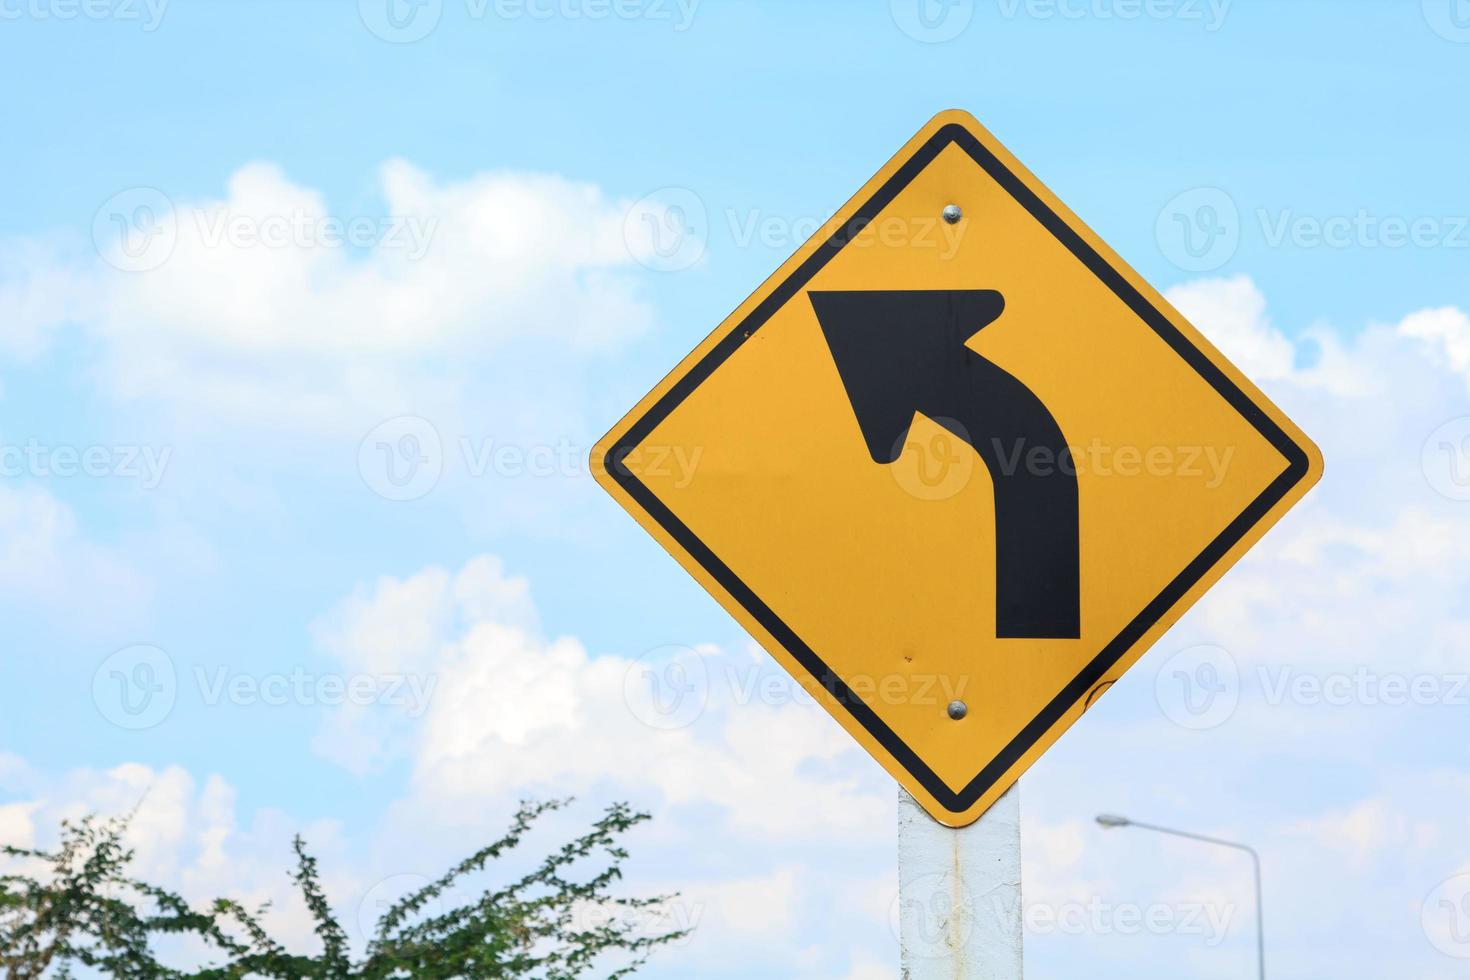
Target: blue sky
[235, 528]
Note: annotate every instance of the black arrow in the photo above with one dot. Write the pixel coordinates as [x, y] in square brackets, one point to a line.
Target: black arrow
[902, 352]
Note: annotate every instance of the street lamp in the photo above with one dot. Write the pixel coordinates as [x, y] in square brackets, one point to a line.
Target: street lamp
[1110, 821]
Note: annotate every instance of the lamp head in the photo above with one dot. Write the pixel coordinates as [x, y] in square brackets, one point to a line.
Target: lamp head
[1109, 821]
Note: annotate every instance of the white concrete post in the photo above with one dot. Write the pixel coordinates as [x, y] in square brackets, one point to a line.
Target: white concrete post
[959, 894]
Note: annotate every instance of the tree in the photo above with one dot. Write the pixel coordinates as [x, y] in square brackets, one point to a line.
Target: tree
[84, 910]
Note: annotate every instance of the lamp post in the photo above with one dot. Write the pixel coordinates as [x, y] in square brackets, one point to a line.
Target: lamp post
[1110, 822]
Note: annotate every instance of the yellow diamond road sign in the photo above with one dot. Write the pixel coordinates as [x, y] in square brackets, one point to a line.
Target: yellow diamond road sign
[956, 466]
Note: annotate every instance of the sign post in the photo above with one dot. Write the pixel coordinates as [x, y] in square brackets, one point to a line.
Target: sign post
[959, 893]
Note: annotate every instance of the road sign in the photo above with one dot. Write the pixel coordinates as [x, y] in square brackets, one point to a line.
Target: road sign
[956, 466]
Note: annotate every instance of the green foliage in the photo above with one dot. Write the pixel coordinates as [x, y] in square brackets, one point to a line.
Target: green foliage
[552, 923]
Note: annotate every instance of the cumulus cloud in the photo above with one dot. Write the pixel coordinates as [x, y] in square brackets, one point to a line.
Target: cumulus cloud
[1385, 530]
[270, 306]
[755, 791]
[1447, 329]
[867, 968]
[513, 709]
[185, 834]
[47, 561]
[749, 909]
[1235, 312]
[41, 289]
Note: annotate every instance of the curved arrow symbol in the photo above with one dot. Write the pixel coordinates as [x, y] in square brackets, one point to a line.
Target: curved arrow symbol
[902, 352]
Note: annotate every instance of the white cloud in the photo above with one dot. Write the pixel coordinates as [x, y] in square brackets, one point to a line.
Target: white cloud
[185, 836]
[1448, 329]
[270, 307]
[762, 908]
[513, 710]
[1235, 312]
[40, 289]
[865, 967]
[46, 559]
[1377, 534]
[189, 837]
[1232, 315]
[1361, 832]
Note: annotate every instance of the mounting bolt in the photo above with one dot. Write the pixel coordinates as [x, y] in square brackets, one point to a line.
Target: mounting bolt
[953, 214]
[958, 710]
